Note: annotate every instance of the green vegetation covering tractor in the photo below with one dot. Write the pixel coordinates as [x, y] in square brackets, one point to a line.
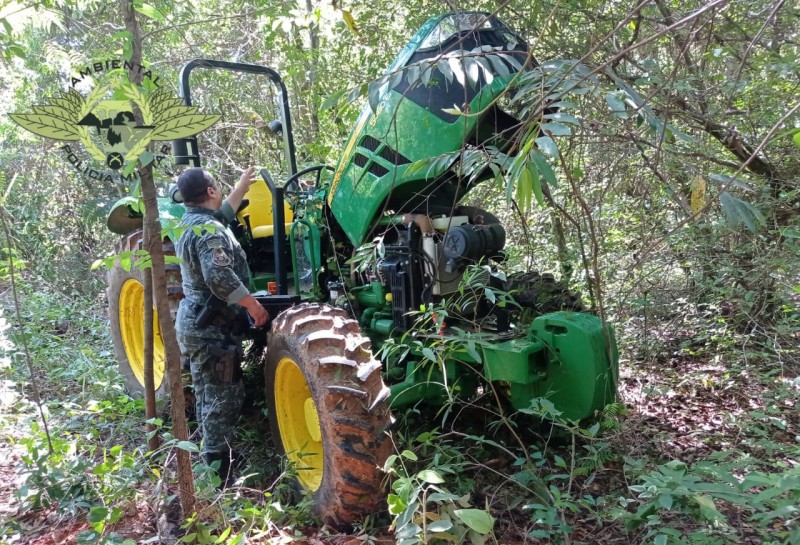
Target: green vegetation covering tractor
[378, 257]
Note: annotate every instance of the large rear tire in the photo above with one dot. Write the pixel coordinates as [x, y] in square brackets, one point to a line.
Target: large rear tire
[328, 409]
[126, 314]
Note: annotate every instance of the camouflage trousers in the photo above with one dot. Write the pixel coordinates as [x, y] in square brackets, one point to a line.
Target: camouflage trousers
[219, 392]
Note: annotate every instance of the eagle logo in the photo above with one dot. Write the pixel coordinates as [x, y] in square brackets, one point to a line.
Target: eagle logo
[108, 129]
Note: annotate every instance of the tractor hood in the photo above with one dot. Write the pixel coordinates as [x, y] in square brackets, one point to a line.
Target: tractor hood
[460, 62]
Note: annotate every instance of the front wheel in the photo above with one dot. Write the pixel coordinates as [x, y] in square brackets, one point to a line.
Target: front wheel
[328, 410]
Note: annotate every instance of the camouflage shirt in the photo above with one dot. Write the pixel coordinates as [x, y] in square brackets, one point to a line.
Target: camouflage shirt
[210, 263]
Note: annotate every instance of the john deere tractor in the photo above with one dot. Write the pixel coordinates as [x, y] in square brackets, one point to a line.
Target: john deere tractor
[379, 256]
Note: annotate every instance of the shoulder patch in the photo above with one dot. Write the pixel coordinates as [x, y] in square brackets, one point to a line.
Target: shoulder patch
[215, 242]
[219, 257]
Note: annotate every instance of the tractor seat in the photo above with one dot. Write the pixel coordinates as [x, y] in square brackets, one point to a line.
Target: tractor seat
[260, 211]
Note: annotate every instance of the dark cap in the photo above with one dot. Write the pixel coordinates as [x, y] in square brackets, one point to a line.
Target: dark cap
[193, 183]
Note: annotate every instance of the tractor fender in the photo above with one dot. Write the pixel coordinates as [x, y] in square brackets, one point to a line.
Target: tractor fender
[125, 216]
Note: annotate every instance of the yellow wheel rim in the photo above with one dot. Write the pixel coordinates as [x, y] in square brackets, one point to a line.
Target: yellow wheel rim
[131, 325]
[298, 422]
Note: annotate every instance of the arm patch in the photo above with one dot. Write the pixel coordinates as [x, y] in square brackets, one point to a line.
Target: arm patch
[220, 253]
[219, 257]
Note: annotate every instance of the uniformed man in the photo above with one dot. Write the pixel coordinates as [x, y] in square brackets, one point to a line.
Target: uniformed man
[213, 262]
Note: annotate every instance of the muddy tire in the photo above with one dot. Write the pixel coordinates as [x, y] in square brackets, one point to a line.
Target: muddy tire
[542, 293]
[126, 313]
[328, 409]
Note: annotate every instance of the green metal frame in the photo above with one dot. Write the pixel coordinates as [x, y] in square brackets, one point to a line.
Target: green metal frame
[566, 357]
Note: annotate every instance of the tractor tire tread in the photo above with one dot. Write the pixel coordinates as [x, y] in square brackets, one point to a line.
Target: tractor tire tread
[351, 402]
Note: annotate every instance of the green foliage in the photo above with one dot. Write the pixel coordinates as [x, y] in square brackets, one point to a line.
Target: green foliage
[708, 490]
[433, 503]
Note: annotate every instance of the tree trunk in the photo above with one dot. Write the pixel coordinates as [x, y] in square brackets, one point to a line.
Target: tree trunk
[149, 381]
[152, 243]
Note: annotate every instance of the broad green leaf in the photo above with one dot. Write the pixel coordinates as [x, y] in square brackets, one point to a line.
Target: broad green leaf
[149, 11]
[545, 170]
[358, 92]
[396, 79]
[617, 105]
[498, 65]
[412, 74]
[224, 535]
[796, 139]
[557, 129]
[409, 455]
[548, 146]
[374, 93]
[409, 531]
[187, 446]
[332, 100]
[789, 232]
[738, 211]
[471, 350]
[472, 70]
[525, 189]
[707, 507]
[537, 184]
[457, 69]
[444, 67]
[87, 537]
[350, 21]
[428, 353]
[563, 118]
[97, 514]
[442, 496]
[477, 519]
[438, 526]
[430, 476]
[116, 514]
[427, 71]
[660, 539]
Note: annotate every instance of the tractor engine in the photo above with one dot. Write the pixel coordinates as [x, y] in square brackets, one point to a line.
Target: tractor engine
[424, 259]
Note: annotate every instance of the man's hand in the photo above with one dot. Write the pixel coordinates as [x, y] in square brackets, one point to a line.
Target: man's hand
[245, 181]
[258, 313]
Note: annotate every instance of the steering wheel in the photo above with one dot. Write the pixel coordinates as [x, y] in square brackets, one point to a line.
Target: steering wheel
[291, 187]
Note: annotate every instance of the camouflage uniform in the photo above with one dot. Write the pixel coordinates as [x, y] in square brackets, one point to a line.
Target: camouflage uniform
[213, 263]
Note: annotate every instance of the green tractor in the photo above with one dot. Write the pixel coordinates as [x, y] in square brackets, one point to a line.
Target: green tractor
[350, 261]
